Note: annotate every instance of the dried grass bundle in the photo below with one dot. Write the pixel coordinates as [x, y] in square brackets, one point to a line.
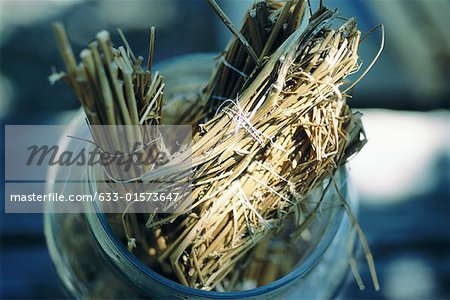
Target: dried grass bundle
[261, 154]
[273, 124]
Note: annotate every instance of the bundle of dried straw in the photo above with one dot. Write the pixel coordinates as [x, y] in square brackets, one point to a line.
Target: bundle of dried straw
[271, 125]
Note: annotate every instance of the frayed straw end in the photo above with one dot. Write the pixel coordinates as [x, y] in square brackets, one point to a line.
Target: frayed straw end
[56, 76]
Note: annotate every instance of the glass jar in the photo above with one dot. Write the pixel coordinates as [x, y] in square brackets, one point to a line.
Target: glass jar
[92, 263]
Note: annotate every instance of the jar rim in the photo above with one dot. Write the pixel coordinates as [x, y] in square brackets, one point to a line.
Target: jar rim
[299, 271]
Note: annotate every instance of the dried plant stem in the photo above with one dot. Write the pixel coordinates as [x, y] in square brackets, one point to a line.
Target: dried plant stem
[364, 243]
[234, 30]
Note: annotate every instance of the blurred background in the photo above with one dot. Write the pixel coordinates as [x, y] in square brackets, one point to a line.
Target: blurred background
[402, 174]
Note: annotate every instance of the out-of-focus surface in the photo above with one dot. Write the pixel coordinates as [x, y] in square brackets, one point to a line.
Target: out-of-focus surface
[403, 179]
[403, 173]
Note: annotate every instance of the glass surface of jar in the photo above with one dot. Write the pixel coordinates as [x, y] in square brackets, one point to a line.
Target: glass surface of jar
[92, 263]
